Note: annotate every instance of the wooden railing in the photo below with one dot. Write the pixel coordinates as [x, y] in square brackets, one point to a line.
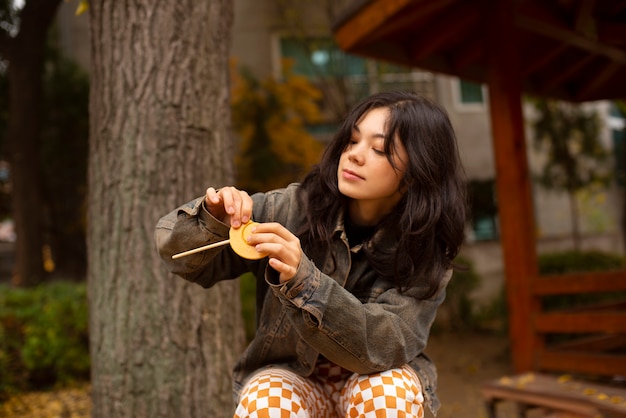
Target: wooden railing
[596, 334]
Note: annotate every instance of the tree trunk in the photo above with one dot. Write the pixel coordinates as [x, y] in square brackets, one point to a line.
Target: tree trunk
[159, 135]
[23, 132]
[25, 54]
[575, 220]
[623, 178]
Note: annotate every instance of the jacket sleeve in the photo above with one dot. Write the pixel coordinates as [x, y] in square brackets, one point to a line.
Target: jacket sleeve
[368, 337]
[190, 226]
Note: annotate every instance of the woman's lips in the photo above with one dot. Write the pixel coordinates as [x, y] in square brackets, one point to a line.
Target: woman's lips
[351, 175]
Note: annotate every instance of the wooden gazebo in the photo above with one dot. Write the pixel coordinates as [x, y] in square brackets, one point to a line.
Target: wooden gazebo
[573, 50]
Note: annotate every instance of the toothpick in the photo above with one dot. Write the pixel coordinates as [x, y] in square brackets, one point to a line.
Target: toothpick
[200, 249]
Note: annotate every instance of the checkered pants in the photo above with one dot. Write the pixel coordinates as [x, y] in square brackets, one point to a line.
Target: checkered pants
[331, 391]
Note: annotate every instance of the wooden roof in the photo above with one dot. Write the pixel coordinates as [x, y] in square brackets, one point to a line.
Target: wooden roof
[568, 49]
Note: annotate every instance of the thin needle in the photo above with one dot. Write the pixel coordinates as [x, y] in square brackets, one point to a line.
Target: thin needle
[200, 249]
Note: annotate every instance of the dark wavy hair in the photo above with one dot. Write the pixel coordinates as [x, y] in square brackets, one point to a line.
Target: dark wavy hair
[429, 220]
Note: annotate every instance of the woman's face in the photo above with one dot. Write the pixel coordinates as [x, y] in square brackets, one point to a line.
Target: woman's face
[365, 174]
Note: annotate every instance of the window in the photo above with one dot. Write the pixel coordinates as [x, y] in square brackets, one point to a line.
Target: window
[321, 59]
[615, 112]
[484, 210]
[470, 92]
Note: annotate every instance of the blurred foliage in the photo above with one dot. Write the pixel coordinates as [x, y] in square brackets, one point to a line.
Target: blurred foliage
[271, 119]
[8, 16]
[493, 315]
[83, 6]
[579, 261]
[458, 305]
[43, 336]
[247, 289]
[570, 136]
[462, 312]
[621, 107]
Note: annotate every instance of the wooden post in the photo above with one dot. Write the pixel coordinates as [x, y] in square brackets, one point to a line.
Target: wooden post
[513, 185]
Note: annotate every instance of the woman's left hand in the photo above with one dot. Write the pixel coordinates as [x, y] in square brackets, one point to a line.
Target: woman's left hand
[281, 245]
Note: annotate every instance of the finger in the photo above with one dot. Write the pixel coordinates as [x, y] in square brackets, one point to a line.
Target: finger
[213, 203]
[241, 207]
[227, 198]
[286, 271]
[259, 237]
[235, 216]
[275, 233]
[275, 228]
[288, 253]
[246, 207]
[211, 197]
[273, 249]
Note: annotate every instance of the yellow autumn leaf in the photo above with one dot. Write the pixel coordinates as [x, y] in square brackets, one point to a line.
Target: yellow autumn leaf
[271, 119]
[564, 378]
[83, 6]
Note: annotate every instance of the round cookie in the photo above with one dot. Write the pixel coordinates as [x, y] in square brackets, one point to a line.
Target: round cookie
[239, 243]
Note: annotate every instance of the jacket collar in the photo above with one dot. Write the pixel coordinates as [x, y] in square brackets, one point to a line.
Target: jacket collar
[382, 238]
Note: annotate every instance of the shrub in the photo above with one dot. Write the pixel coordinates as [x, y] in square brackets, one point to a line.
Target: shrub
[43, 336]
[579, 261]
[458, 311]
[461, 285]
[493, 315]
[247, 289]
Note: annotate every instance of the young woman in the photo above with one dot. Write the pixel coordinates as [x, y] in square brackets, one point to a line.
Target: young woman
[358, 258]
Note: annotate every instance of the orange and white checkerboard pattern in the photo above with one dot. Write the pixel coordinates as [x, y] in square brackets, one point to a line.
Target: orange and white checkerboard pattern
[331, 392]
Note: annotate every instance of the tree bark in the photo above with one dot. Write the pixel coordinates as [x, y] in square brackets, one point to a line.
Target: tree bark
[25, 53]
[159, 135]
[575, 220]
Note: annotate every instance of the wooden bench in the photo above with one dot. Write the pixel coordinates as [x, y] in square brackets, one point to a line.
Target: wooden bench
[560, 396]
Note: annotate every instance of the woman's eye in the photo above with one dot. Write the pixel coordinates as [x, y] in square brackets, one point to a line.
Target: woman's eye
[378, 151]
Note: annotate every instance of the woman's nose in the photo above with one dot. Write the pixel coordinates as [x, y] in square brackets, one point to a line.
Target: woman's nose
[356, 154]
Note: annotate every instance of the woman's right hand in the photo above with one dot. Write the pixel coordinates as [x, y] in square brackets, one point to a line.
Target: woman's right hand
[230, 205]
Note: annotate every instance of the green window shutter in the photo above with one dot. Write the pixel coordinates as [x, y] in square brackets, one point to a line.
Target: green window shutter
[470, 92]
[320, 57]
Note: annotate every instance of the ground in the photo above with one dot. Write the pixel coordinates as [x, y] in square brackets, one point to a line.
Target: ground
[464, 362]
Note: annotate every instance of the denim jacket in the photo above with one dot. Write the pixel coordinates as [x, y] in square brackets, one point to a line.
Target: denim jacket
[335, 306]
